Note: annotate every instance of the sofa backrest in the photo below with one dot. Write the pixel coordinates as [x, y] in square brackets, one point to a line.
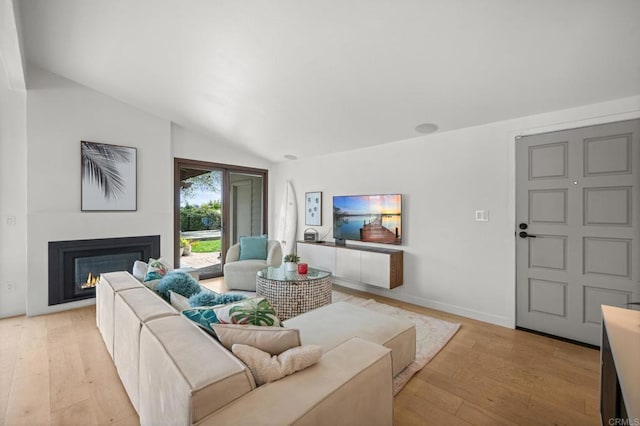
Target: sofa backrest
[185, 374]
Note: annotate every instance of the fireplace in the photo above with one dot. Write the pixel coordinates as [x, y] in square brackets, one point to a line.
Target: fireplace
[75, 266]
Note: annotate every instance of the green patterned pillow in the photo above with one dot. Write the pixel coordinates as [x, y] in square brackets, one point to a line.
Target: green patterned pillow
[203, 317]
[256, 311]
[157, 269]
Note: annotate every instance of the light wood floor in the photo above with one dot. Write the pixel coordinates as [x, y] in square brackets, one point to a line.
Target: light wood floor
[55, 369]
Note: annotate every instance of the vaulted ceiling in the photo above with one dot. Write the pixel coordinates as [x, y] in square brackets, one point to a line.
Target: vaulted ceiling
[317, 76]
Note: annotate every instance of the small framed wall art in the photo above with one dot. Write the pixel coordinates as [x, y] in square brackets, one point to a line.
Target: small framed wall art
[109, 177]
[313, 208]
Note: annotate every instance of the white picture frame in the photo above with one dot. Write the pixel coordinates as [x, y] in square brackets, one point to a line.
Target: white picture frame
[313, 208]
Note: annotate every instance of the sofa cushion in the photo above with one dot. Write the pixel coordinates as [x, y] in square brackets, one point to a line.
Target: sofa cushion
[111, 283]
[333, 324]
[267, 368]
[256, 311]
[253, 248]
[350, 385]
[273, 340]
[132, 308]
[186, 375]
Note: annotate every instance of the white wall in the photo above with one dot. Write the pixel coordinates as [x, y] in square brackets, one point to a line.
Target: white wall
[451, 262]
[194, 146]
[13, 199]
[60, 114]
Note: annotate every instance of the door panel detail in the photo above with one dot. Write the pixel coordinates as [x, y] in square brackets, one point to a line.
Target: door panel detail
[548, 297]
[548, 251]
[548, 206]
[548, 161]
[607, 206]
[596, 296]
[607, 256]
[607, 155]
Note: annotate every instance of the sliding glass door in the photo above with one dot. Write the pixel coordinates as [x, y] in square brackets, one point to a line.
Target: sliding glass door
[215, 204]
[245, 205]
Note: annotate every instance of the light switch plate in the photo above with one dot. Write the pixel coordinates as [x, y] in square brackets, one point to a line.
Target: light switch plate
[482, 215]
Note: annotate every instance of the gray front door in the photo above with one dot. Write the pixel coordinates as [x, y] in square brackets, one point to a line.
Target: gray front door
[577, 196]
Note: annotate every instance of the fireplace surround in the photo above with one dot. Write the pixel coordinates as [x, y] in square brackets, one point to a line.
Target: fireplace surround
[75, 266]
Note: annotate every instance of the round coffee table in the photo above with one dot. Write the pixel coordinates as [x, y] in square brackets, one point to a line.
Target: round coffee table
[291, 293]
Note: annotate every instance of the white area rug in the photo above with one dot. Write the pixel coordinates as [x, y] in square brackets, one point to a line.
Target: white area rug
[431, 334]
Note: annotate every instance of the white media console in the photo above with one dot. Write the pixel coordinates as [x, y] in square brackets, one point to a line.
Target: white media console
[367, 265]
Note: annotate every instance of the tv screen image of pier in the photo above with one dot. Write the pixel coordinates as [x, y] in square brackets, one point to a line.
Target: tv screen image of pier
[370, 218]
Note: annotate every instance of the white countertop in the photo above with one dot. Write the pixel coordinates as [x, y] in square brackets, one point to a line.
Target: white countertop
[623, 329]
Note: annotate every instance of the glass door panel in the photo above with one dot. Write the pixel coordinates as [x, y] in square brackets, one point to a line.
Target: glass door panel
[200, 220]
[246, 215]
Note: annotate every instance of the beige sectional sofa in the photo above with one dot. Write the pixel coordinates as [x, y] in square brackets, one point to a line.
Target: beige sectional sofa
[176, 374]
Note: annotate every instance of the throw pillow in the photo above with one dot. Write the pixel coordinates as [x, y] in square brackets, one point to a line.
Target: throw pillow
[273, 340]
[211, 298]
[157, 269]
[253, 248]
[140, 269]
[266, 368]
[178, 301]
[203, 317]
[179, 282]
[256, 311]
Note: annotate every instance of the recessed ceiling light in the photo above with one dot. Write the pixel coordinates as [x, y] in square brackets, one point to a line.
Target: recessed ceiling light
[426, 128]
[290, 157]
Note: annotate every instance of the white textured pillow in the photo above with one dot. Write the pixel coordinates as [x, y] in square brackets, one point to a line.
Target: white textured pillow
[140, 269]
[273, 340]
[266, 368]
[178, 301]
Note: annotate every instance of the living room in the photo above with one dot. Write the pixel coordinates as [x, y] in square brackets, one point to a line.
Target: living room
[452, 262]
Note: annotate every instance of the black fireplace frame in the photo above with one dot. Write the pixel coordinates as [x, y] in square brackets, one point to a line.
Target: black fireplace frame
[61, 253]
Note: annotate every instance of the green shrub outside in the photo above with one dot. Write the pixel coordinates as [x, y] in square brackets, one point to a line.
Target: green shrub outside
[191, 217]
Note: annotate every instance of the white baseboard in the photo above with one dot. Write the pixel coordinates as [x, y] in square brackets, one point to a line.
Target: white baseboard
[428, 303]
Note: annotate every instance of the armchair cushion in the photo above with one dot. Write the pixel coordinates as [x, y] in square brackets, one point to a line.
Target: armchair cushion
[253, 248]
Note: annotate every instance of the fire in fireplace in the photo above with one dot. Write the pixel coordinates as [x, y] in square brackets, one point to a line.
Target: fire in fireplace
[75, 266]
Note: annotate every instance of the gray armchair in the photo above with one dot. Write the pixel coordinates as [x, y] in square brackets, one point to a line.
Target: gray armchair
[241, 274]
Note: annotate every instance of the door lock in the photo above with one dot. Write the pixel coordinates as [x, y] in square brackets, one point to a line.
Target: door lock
[523, 226]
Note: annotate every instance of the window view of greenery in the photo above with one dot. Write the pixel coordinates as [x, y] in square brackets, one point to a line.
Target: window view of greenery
[200, 218]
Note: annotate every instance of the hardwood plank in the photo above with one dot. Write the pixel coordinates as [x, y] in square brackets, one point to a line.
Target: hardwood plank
[10, 332]
[419, 390]
[67, 382]
[478, 416]
[550, 413]
[79, 413]
[29, 400]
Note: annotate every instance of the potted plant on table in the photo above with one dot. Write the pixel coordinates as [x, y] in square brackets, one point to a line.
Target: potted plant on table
[291, 262]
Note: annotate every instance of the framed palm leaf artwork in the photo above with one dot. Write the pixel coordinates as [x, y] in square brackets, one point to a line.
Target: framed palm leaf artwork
[109, 177]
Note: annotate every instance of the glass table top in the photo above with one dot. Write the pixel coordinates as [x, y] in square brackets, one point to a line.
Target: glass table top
[281, 274]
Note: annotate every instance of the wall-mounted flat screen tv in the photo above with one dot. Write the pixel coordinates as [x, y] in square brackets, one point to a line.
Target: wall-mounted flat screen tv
[368, 218]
